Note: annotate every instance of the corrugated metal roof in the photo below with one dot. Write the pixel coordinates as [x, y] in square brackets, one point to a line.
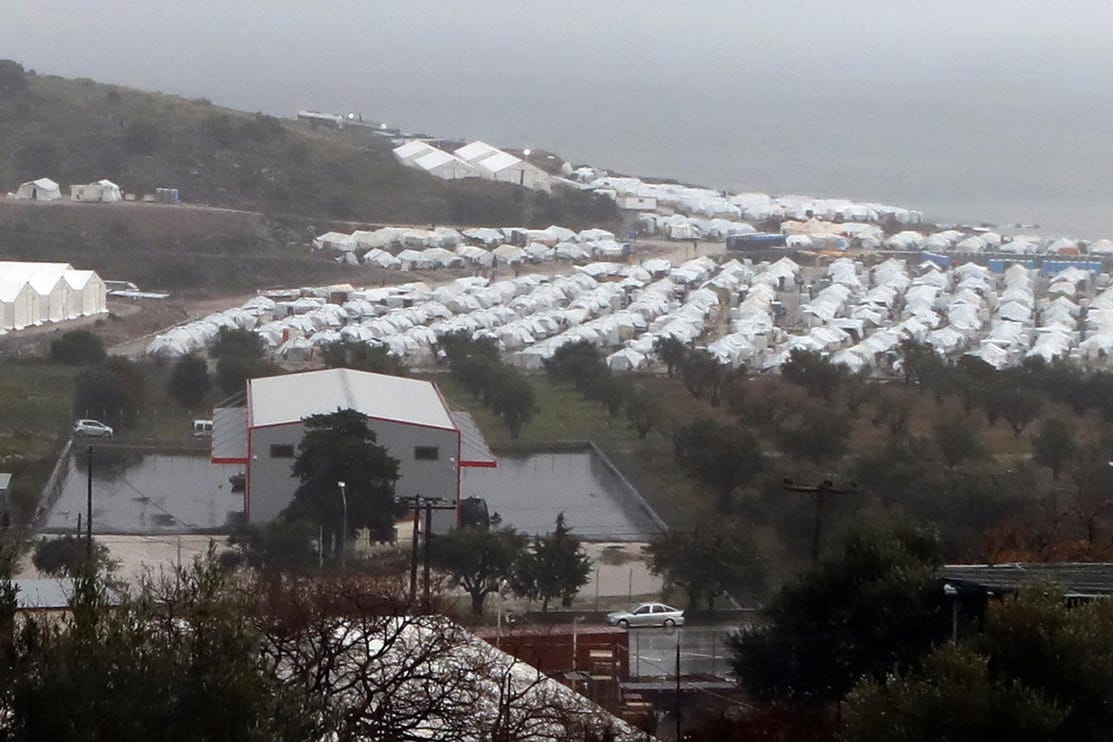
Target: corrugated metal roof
[474, 450]
[276, 400]
[1080, 579]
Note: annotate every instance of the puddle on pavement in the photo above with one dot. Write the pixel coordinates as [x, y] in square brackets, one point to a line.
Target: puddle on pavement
[141, 492]
[529, 490]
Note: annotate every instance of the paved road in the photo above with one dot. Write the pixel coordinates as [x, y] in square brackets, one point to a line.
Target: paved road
[703, 650]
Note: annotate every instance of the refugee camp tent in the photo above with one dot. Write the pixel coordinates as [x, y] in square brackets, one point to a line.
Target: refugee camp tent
[1100, 247]
[103, 191]
[412, 150]
[334, 241]
[509, 253]
[43, 189]
[87, 293]
[18, 305]
[445, 166]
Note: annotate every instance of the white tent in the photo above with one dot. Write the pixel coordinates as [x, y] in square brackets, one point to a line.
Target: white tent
[334, 241]
[509, 253]
[445, 166]
[47, 292]
[43, 189]
[103, 191]
[18, 305]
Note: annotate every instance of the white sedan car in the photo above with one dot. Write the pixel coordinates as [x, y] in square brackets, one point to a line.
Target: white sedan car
[92, 429]
[647, 614]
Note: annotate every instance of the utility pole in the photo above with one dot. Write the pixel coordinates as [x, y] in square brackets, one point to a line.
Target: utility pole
[821, 490]
[428, 536]
[413, 551]
[89, 509]
[676, 700]
[343, 526]
[428, 503]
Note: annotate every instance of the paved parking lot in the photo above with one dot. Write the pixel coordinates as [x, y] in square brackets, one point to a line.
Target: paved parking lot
[703, 651]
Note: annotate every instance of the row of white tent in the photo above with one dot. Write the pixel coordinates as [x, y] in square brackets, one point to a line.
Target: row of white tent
[982, 241]
[45, 189]
[858, 318]
[471, 256]
[474, 160]
[754, 207]
[481, 247]
[34, 293]
[390, 238]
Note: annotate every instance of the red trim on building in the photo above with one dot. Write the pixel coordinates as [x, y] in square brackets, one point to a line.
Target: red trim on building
[247, 472]
[479, 464]
[228, 461]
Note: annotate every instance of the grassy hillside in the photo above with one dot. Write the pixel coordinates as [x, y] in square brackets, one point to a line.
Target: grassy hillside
[77, 131]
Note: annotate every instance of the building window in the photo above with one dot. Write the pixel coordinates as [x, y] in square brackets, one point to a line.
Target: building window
[282, 450]
[427, 453]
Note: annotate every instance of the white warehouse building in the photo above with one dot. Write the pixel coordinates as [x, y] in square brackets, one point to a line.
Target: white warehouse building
[410, 419]
[34, 293]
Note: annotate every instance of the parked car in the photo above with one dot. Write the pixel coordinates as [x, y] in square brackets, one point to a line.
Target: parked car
[92, 429]
[647, 614]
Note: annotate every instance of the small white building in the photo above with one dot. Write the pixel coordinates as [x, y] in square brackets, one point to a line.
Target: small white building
[410, 419]
[637, 203]
[43, 189]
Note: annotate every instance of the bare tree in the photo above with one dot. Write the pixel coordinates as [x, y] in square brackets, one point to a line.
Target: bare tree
[382, 673]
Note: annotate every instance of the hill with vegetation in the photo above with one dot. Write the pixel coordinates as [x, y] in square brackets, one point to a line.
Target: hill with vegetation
[78, 131]
[296, 179]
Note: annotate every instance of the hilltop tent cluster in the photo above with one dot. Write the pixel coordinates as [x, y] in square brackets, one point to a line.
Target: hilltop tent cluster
[670, 198]
[45, 189]
[34, 293]
[407, 249]
[474, 160]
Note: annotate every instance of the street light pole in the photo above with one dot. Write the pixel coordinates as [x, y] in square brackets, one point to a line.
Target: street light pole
[89, 509]
[343, 526]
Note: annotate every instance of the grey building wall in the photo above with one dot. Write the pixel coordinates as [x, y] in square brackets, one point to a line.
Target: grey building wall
[272, 483]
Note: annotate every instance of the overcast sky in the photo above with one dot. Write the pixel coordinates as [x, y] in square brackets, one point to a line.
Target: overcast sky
[970, 105]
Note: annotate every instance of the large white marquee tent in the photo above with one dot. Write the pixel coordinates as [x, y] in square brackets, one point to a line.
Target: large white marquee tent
[33, 293]
[43, 189]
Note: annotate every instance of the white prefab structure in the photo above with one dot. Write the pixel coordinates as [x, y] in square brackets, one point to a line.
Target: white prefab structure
[33, 293]
[87, 293]
[103, 191]
[409, 416]
[19, 305]
[444, 165]
[410, 151]
[637, 203]
[494, 164]
[43, 189]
